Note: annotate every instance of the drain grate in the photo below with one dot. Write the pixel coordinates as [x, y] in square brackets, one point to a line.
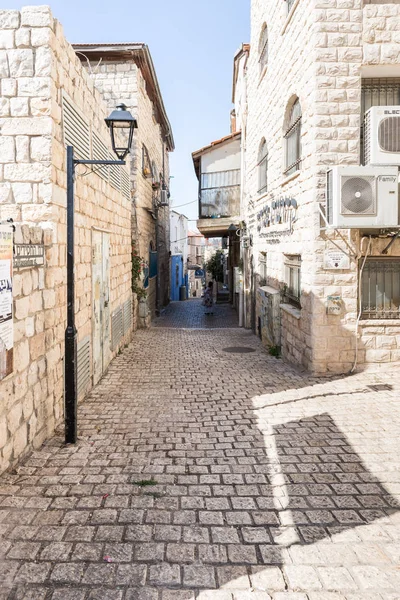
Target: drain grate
[238, 349]
[380, 387]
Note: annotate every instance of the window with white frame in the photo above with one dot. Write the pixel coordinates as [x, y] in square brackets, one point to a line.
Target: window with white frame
[292, 290]
[262, 261]
[380, 289]
[292, 138]
[262, 167]
[263, 49]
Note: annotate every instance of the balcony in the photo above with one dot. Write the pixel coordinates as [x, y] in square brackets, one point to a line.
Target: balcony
[219, 202]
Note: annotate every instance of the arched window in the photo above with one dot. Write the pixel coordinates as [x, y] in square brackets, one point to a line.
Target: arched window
[263, 48]
[262, 167]
[292, 138]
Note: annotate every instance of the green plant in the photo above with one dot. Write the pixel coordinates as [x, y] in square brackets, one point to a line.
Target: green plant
[275, 351]
[215, 266]
[136, 271]
[145, 482]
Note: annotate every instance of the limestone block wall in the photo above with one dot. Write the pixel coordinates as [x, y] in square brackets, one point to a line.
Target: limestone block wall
[289, 73]
[37, 65]
[336, 45]
[124, 82]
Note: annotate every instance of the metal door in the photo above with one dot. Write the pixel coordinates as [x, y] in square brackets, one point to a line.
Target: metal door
[100, 303]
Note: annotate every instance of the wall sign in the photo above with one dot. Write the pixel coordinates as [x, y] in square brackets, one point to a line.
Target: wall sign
[334, 305]
[6, 316]
[278, 211]
[336, 260]
[28, 255]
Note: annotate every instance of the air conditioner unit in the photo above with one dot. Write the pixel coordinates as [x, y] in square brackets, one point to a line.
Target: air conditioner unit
[362, 197]
[164, 198]
[382, 136]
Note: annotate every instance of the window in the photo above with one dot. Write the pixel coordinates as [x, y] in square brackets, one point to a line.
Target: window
[263, 49]
[289, 5]
[377, 92]
[262, 167]
[292, 279]
[293, 140]
[146, 164]
[380, 289]
[263, 268]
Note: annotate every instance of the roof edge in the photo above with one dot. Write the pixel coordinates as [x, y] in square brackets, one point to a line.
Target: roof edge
[130, 49]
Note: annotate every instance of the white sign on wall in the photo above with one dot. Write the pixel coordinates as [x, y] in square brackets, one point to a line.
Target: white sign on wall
[336, 260]
[6, 317]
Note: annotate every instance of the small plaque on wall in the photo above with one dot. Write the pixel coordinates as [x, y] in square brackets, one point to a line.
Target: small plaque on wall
[334, 305]
[28, 255]
[336, 260]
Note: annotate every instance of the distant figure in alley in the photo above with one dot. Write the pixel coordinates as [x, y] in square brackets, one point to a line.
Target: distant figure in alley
[208, 301]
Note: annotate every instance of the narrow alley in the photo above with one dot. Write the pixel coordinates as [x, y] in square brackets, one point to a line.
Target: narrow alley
[208, 469]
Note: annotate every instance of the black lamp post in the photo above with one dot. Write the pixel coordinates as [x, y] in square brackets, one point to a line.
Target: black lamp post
[121, 120]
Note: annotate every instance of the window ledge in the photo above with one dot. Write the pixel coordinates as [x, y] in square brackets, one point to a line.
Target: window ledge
[290, 178]
[379, 322]
[261, 196]
[291, 310]
[289, 17]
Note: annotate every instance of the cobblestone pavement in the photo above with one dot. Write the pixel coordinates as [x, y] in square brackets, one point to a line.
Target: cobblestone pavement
[213, 475]
[190, 315]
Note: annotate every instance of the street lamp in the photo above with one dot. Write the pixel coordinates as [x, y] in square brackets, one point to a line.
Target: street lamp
[121, 120]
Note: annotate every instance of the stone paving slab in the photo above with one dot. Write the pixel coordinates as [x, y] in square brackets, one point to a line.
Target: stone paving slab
[190, 314]
[201, 474]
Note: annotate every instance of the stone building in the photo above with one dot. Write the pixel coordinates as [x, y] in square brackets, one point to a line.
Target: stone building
[196, 243]
[48, 101]
[179, 254]
[322, 279]
[125, 73]
[218, 169]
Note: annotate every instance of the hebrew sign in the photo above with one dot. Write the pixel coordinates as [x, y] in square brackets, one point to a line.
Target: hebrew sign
[6, 317]
[28, 255]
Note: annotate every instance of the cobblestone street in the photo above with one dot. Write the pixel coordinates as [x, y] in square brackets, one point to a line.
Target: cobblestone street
[211, 474]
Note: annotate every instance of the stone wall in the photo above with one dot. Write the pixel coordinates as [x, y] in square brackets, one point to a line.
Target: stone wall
[336, 44]
[123, 82]
[37, 65]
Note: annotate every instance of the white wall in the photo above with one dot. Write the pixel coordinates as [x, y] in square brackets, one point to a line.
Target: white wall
[224, 157]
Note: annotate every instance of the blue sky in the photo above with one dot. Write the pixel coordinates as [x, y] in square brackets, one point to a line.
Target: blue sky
[192, 44]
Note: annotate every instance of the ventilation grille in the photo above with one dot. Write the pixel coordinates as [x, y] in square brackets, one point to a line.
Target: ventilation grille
[125, 184]
[76, 129]
[77, 134]
[358, 196]
[116, 327]
[127, 313]
[367, 138]
[389, 134]
[329, 197]
[100, 152]
[83, 366]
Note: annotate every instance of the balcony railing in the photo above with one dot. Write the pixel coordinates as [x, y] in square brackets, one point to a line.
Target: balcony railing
[220, 194]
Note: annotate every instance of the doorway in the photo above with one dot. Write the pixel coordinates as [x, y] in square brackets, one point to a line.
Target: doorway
[101, 302]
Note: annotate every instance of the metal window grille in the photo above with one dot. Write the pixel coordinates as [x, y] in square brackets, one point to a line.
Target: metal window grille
[263, 48]
[293, 279]
[380, 289]
[289, 5]
[293, 140]
[384, 91]
[262, 168]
